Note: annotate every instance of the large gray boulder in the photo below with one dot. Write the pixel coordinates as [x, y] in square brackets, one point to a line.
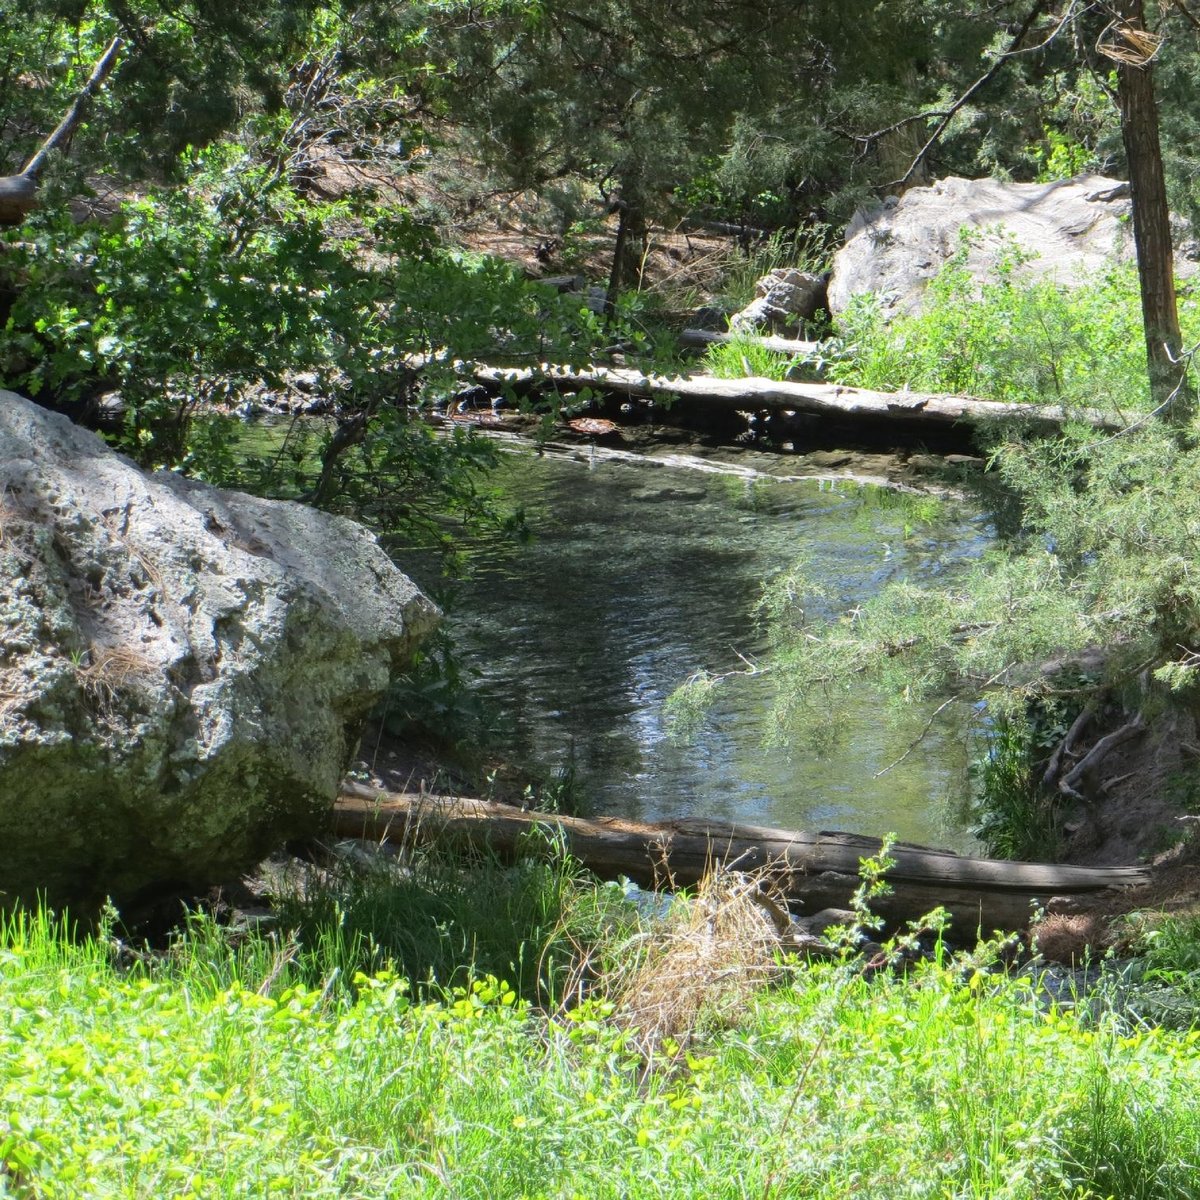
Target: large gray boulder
[1074, 227]
[183, 670]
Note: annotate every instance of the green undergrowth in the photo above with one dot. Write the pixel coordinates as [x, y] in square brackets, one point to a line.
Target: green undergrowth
[746, 357]
[1011, 338]
[251, 1065]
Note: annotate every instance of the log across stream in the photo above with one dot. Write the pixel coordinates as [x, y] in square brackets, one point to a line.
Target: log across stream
[816, 870]
[905, 415]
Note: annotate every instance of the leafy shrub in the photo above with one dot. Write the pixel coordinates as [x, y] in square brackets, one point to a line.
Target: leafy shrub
[1014, 816]
[1010, 338]
[193, 297]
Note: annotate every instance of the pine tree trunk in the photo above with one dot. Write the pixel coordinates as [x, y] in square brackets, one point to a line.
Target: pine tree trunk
[628, 250]
[1170, 388]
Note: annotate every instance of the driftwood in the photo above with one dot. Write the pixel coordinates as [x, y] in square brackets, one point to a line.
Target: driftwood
[912, 409]
[816, 870]
[781, 345]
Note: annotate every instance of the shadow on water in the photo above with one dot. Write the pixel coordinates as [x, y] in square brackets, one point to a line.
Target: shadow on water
[637, 576]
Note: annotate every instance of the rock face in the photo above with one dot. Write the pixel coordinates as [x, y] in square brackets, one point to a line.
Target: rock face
[1074, 226]
[783, 298]
[182, 670]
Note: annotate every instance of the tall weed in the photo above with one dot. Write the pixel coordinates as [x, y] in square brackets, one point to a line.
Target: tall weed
[440, 920]
[806, 250]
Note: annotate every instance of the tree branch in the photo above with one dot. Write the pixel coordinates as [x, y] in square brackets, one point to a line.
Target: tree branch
[984, 79]
[75, 114]
[1187, 12]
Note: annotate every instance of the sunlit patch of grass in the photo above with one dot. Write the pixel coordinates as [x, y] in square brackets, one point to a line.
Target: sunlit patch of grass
[951, 1080]
[744, 356]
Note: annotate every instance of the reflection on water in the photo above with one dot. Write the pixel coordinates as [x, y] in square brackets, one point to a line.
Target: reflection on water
[639, 575]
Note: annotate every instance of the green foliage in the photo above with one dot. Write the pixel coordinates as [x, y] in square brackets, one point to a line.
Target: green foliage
[949, 1081]
[688, 705]
[1010, 339]
[744, 356]
[1061, 158]
[1015, 817]
[1104, 557]
[433, 699]
[969, 633]
[441, 920]
[192, 298]
[1168, 945]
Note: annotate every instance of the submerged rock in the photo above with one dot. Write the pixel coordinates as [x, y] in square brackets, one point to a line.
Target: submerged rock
[183, 670]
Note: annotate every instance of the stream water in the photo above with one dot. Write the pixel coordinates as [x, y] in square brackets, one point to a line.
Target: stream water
[639, 574]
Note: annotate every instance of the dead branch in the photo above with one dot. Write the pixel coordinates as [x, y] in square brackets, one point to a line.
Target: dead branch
[66, 127]
[948, 114]
[1054, 766]
[18, 193]
[1096, 755]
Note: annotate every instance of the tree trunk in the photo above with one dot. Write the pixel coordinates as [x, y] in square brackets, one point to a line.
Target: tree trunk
[1133, 50]
[627, 251]
[816, 870]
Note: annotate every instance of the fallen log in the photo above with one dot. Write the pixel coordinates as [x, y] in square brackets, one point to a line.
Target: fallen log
[816, 870]
[928, 409]
[728, 228]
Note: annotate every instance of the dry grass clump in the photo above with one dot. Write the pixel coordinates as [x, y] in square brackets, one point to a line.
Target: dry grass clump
[700, 965]
[105, 671]
[1072, 938]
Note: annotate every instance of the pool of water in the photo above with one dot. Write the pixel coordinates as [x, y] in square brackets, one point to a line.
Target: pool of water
[636, 576]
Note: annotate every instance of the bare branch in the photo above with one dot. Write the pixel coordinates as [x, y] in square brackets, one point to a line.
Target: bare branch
[984, 79]
[75, 114]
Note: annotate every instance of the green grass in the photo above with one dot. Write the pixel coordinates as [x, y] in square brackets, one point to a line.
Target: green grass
[174, 1079]
[745, 357]
[1011, 339]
